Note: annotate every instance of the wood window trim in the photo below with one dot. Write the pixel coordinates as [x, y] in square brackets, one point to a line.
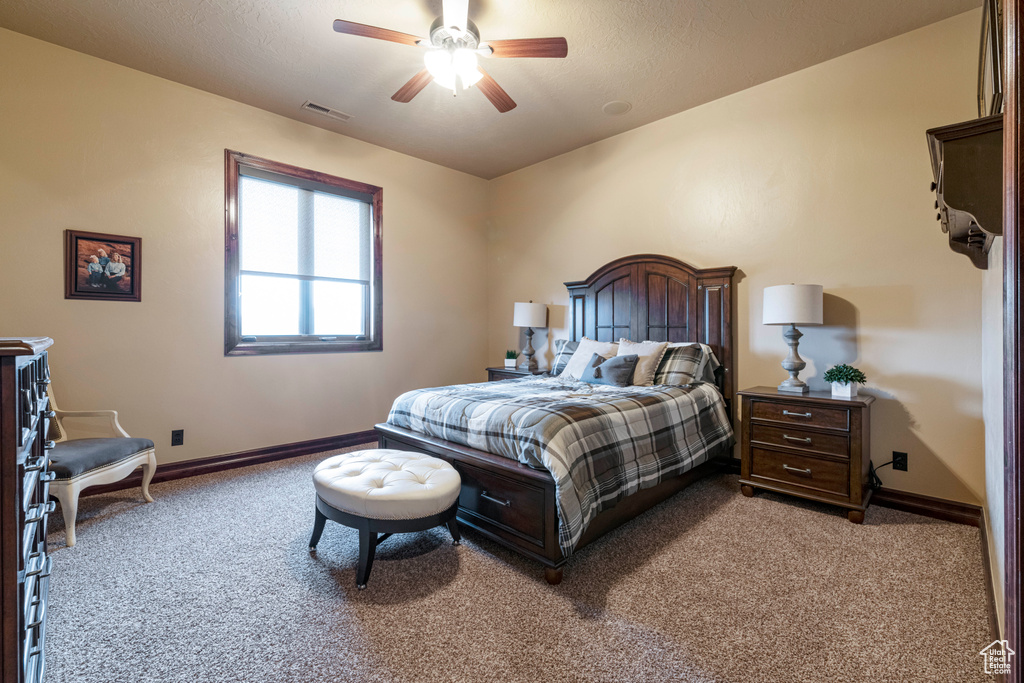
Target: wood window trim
[233, 344]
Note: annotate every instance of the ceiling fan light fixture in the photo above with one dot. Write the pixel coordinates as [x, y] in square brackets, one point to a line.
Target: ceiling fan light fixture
[447, 81]
[451, 53]
[464, 64]
[470, 79]
[447, 66]
[438, 62]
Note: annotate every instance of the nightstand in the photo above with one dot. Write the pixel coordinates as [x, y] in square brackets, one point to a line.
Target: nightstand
[495, 374]
[807, 445]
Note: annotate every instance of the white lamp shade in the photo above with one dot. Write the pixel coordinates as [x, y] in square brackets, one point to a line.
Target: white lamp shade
[530, 315]
[792, 305]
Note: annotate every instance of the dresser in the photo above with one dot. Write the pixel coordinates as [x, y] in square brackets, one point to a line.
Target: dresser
[496, 374]
[24, 507]
[807, 445]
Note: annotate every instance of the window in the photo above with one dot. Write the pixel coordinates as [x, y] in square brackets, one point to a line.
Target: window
[302, 260]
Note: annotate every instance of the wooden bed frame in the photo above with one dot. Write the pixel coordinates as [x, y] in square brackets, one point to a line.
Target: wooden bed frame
[637, 297]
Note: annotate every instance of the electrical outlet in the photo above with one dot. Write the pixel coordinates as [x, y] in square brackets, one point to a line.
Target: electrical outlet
[177, 437]
[899, 461]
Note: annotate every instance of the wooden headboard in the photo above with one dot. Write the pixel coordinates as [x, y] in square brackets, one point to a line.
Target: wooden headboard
[659, 298]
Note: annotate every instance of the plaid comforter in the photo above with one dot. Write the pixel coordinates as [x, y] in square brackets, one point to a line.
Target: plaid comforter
[600, 443]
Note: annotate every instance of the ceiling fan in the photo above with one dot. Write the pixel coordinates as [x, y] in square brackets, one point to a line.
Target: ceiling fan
[452, 50]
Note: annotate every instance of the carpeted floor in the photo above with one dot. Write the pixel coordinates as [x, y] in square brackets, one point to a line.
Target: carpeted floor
[213, 582]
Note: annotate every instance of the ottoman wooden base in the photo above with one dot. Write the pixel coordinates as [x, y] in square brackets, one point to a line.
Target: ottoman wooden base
[369, 528]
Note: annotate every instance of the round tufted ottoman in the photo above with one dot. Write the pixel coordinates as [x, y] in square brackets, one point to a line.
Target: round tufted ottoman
[383, 492]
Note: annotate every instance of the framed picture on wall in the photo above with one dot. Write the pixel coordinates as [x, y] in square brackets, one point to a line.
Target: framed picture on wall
[101, 266]
[990, 60]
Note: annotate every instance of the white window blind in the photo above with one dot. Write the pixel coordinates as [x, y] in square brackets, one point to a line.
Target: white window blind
[305, 258]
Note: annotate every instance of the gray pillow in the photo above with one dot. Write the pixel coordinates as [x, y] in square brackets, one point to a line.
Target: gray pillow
[616, 371]
[563, 352]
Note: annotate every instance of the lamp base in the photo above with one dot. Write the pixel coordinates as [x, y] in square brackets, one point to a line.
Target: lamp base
[788, 388]
[793, 364]
[529, 363]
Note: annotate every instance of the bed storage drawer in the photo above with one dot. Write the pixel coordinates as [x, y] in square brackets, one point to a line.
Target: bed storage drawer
[807, 472]
[513, 505]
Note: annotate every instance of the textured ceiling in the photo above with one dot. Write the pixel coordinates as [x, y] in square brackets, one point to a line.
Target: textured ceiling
[663, 56]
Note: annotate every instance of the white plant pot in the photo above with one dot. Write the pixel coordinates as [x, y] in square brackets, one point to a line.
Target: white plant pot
[510, 362]
[840, 390]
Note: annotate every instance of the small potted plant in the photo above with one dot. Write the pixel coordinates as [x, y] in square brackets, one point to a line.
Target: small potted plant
[510, 358]
[844, 379]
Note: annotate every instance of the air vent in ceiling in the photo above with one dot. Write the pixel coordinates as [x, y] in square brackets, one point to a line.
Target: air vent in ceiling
[326, 111]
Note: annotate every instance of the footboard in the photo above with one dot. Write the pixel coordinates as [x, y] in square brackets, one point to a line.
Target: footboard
[515, 505]
[502, 499]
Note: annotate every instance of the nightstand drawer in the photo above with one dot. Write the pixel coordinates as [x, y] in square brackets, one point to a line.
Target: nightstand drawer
[498, 375]
[806, 472]
[801, 414]
[803, 439]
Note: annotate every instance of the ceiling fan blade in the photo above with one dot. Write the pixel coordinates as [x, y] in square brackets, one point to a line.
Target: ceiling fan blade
[354, 29]
[529, 47]
[455, 13]
[413, 87]
[495, 93]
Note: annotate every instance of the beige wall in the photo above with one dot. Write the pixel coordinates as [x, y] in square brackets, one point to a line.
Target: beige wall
[89, 145]
[821, 176]
[992, 389]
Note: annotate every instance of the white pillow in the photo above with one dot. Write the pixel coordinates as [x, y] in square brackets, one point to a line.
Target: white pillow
[584, 352]
[650, 355]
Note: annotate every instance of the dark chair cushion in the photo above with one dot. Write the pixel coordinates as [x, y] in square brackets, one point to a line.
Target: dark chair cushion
[68, 459]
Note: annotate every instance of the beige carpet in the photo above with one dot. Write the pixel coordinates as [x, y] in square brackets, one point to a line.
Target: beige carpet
[213, 582]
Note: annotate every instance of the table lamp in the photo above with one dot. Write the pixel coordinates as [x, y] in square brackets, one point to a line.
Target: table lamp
[793, 305]
[529, 315]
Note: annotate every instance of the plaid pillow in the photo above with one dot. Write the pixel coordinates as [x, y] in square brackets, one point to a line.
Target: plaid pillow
[563, 352]
[679, 365]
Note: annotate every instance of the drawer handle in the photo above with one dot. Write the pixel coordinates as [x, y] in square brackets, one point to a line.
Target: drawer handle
[787, 437]
[39, 511]
[786, 412]
[499, 501]
[797, 470]
[40, 617]
[36, 566]
[40, 566]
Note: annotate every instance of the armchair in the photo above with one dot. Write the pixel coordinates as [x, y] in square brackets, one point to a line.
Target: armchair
[80, 463]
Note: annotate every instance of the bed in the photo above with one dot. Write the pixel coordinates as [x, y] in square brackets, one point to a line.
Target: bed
[509, 492]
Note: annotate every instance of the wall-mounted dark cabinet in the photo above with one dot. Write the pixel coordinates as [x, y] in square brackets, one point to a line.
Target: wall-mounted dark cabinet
[967, 162]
